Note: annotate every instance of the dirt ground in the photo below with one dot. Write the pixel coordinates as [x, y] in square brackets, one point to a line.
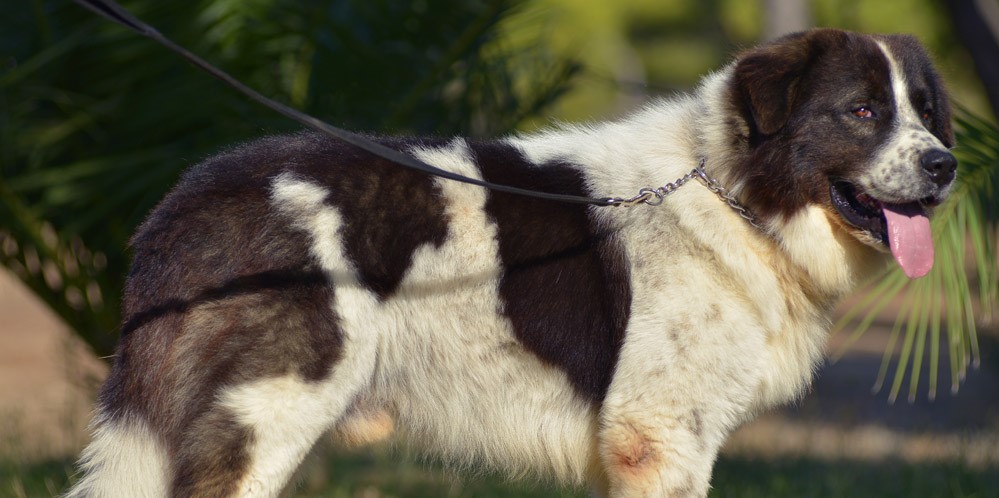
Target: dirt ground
[48, 379]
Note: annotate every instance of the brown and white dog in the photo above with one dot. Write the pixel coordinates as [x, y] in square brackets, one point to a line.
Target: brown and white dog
[296, 286]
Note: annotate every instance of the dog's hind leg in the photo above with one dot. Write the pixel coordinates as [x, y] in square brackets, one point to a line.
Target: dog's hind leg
[226, 398]
[248, 444]
[263, 427]
[256, 433]
[284, 418]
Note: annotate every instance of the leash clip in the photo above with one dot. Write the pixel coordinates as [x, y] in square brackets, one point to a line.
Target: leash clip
[647, 195]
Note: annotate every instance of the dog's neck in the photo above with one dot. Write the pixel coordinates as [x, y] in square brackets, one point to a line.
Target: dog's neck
[809, 239]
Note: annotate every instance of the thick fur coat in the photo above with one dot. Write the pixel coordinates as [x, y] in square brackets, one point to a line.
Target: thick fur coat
[296, 286]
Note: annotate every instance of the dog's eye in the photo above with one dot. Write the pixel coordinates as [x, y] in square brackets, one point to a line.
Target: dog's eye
[863, 112]
[926, 115]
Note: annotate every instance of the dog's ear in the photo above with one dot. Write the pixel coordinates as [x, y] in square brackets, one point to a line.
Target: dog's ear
[766, 78]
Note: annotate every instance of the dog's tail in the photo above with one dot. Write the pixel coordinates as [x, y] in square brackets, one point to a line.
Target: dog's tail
[124, 459]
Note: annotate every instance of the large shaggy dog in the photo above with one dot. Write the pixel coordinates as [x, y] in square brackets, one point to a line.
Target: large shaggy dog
[296, 286]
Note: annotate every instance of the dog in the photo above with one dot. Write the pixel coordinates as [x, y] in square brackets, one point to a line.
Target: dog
[297, 286]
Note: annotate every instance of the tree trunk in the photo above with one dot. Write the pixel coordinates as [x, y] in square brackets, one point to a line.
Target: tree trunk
[976, 23]
[781, 17]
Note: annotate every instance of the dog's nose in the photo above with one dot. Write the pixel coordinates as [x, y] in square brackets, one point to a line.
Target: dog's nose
[940, 165]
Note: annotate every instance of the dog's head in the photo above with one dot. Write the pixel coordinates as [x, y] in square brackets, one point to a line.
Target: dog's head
[856, 124]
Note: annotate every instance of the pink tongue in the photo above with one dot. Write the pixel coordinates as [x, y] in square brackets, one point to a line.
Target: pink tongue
[909, 238]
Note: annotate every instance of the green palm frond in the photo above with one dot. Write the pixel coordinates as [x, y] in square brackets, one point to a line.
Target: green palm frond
[961, 291]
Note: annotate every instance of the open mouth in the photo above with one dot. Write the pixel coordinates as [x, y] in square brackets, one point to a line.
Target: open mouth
[903, 227]
[860, 210]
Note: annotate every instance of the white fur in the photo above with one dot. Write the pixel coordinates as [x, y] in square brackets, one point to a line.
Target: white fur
[123, 459]
[287, 416]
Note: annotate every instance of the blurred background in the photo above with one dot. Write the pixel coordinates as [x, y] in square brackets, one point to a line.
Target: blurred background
[97, 123]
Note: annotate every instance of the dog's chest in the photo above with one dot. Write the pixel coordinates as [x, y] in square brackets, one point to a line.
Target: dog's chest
[711, 304]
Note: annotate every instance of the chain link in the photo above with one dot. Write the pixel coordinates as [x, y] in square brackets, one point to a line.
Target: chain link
[655, 196]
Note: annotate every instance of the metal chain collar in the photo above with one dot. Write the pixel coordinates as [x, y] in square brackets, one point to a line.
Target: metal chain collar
[655, 196]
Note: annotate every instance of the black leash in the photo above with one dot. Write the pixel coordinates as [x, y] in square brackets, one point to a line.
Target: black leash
[114, 12]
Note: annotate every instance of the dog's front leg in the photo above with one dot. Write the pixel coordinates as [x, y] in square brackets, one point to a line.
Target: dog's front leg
[666, 415]
[666, 456]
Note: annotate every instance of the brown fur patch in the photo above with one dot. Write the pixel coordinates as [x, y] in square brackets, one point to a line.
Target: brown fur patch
[565, 284]
[215, 464]
[388, 211]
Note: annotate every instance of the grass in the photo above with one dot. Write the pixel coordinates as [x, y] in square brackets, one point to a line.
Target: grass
[377, 474]
[807, 478]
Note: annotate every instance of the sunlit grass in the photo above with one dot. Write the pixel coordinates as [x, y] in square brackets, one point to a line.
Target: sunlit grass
[380, 474]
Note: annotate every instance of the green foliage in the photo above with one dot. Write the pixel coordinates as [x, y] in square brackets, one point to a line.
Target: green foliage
[96, 123]
[811, 478]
